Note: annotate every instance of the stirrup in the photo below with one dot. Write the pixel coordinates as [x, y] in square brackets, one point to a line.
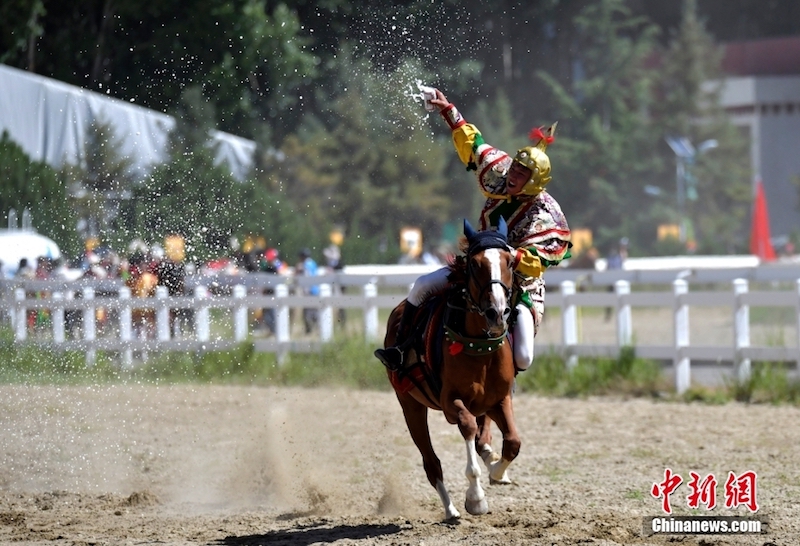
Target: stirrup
[391, 357]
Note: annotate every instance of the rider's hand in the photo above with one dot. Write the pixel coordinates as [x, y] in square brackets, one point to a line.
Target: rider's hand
[440, 100]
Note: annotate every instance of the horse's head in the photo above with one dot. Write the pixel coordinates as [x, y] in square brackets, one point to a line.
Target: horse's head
[489, 276]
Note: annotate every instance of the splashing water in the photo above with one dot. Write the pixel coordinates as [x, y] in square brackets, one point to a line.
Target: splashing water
[423, 94]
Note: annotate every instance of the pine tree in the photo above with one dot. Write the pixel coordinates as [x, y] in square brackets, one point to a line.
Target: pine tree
[33, 185]
[603, 154]
[99, 184]
[369, 164]
[715, 191]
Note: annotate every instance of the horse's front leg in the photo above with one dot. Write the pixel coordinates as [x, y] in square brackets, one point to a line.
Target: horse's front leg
[475, 502]
[416, 416]
[503, 415]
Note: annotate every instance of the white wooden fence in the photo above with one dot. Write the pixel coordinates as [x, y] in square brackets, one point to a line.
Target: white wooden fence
[242, 294]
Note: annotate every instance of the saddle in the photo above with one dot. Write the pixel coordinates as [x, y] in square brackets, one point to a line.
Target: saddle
[438, 321]
[423, 359]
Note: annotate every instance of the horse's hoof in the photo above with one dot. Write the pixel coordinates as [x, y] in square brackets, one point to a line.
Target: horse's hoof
[498, 473]
[477, 508]
[452, 516]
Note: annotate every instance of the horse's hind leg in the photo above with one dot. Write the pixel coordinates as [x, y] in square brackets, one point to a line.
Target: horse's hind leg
[504, 417]
[416, 416]
[483, 443]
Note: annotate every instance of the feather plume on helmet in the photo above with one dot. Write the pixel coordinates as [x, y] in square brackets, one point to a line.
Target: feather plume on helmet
[534, 158]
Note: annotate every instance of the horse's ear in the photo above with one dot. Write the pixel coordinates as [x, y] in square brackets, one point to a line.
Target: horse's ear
[468, 230]
[502, 227]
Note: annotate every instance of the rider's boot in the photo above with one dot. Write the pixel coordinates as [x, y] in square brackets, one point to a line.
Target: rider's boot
[392, 357]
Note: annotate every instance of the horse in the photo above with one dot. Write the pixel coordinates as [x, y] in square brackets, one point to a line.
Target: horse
[469, 373]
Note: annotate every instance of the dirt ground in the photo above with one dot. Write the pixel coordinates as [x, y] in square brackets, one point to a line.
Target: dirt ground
[243, 466]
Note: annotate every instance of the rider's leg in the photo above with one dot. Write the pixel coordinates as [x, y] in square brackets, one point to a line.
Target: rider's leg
[524, 333]
[431, 283]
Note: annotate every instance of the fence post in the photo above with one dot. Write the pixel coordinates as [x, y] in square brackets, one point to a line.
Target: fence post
[741, 331]
[569, 323]
[624, 328]
[282, 323]
[58, 317]
[89, 324]
[797, 313]
[370, 292]
[21, 316]
[125, 326]
[282, 330]
[325, 313]
[239, 313]
[202, 326]
[162, 314]
[681, 364]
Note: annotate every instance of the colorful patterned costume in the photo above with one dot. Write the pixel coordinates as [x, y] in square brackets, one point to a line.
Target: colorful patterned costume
[535, 221]
[536, 228]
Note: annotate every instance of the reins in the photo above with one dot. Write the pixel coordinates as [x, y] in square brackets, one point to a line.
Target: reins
[475, 346]
[473, 305]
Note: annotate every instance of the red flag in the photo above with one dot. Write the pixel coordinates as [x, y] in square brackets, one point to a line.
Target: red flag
[760, 244]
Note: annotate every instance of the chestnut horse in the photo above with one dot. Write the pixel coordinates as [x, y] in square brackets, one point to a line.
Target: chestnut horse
[473, 380]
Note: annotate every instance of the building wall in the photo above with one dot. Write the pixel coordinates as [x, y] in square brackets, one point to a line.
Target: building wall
[769, 107]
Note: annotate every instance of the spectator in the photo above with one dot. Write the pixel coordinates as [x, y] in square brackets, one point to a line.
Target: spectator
[307, 267]
[333, 260]
[271, 262]
[618, 255]
[24, 270]
[585, 260]
[171, 273]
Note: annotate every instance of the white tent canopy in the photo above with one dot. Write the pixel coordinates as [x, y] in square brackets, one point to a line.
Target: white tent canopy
[49, 120]
[18, 244]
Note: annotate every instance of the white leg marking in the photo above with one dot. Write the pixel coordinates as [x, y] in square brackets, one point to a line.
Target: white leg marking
[476, 499]
[497, 471]
[489, 456]
[450, 511]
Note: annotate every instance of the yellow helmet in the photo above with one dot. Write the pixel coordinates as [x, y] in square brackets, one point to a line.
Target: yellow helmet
[535, 159]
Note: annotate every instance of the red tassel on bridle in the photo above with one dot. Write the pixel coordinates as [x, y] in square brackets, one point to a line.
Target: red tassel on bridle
[536, 135]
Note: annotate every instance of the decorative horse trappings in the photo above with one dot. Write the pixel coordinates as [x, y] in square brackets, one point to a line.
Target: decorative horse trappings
[461, 363]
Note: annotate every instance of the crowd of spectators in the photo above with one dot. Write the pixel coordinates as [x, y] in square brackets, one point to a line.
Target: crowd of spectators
[145, 267]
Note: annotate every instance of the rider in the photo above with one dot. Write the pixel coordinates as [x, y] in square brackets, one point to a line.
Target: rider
[514, 190]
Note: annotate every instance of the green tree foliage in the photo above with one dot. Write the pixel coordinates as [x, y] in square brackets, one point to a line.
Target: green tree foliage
[99, 184]
[689, 86]
[193, 195]
[20, 29]
[189, 194]
[603, 157]
[370, 165]
[39, 188]
[253, 61]
[263, 69]
[283, 74]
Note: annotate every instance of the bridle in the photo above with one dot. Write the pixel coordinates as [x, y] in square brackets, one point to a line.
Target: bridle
[474, 305]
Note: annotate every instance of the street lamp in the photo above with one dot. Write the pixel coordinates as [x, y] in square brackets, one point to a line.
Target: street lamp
[685, 155]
